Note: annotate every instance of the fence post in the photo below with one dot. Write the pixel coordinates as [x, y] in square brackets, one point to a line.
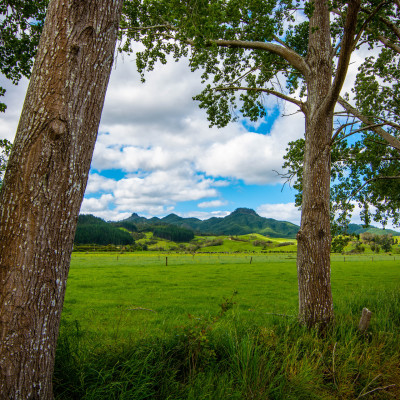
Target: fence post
[365, 320]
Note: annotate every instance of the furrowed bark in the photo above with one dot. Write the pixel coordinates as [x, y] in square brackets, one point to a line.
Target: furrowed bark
[44, 186]
[314, 237]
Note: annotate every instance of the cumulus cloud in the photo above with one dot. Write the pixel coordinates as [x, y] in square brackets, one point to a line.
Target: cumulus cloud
[204, 215]
[281, 211]
[157, 125]
[158, 137]
[93, 205]
[154, 193]
[212, 204]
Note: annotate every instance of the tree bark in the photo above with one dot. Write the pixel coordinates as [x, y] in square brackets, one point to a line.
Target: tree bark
[44, 186]
[314, 237]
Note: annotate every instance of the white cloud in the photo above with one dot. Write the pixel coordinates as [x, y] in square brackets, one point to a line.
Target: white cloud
[282, 212]
[14, 99]
[204, 215]
[90, 205]
[154, 193]
[157, 126]
[212, 204]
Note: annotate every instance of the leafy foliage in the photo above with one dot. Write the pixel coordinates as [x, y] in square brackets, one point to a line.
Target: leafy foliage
[339, 243]
[192, 29]
[366, 172]
[21, 23]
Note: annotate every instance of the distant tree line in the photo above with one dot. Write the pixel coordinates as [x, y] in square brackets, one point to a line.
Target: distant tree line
[93, 230]
[173, 233]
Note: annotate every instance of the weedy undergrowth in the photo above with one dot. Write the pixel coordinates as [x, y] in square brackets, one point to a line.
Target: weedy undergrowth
[223, 356]
[195, 337]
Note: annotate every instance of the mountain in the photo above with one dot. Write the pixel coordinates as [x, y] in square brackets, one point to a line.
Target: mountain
[240, 222]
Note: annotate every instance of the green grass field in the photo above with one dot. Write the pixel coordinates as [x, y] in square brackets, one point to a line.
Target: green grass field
[151, 311]
[110, 294]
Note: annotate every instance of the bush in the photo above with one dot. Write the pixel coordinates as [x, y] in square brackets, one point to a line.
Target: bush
[339, 243]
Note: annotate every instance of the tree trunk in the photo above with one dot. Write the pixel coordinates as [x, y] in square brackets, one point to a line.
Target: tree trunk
[44, 186]
[314, 237]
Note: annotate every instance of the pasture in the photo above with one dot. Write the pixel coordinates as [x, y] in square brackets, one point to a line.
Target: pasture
[206, 308]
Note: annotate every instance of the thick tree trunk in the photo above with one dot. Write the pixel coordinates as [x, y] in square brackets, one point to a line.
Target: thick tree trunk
[44, 187]
[314, 238]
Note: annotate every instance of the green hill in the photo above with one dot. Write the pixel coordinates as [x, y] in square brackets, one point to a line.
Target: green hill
[240, 222]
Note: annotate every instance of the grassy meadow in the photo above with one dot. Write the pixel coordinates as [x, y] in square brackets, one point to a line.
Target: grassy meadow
[158, 325]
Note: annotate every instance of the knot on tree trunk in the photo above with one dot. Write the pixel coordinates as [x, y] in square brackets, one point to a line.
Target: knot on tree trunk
[57, 128]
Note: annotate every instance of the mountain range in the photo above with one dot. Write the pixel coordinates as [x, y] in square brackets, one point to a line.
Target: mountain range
[242, 221]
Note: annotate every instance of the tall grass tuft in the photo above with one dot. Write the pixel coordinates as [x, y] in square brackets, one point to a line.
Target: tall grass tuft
[224, 357]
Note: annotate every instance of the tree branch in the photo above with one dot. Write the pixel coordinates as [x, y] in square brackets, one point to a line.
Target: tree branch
[395, 29]
[341, 128]
[367, 21]
[346, 49]
[356, 131]
[393, 141]
[389, 44]
[376, 178]
[146, 28]
[269, 91]
[245, 74]
[293, 58]
[282, 42]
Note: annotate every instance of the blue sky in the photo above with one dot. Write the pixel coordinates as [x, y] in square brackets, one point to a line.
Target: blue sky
[156, 154]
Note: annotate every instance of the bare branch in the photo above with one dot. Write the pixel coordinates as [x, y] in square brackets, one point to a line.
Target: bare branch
[341, 128]
[245, 74]
[393, 141]
[367, 21]
[356, 131]
[269, 91]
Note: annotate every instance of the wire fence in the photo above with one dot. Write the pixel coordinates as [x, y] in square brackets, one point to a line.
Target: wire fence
[170, 259]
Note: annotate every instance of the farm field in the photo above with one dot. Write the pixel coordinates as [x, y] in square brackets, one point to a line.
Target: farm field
[134, 295]
[118, 303]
